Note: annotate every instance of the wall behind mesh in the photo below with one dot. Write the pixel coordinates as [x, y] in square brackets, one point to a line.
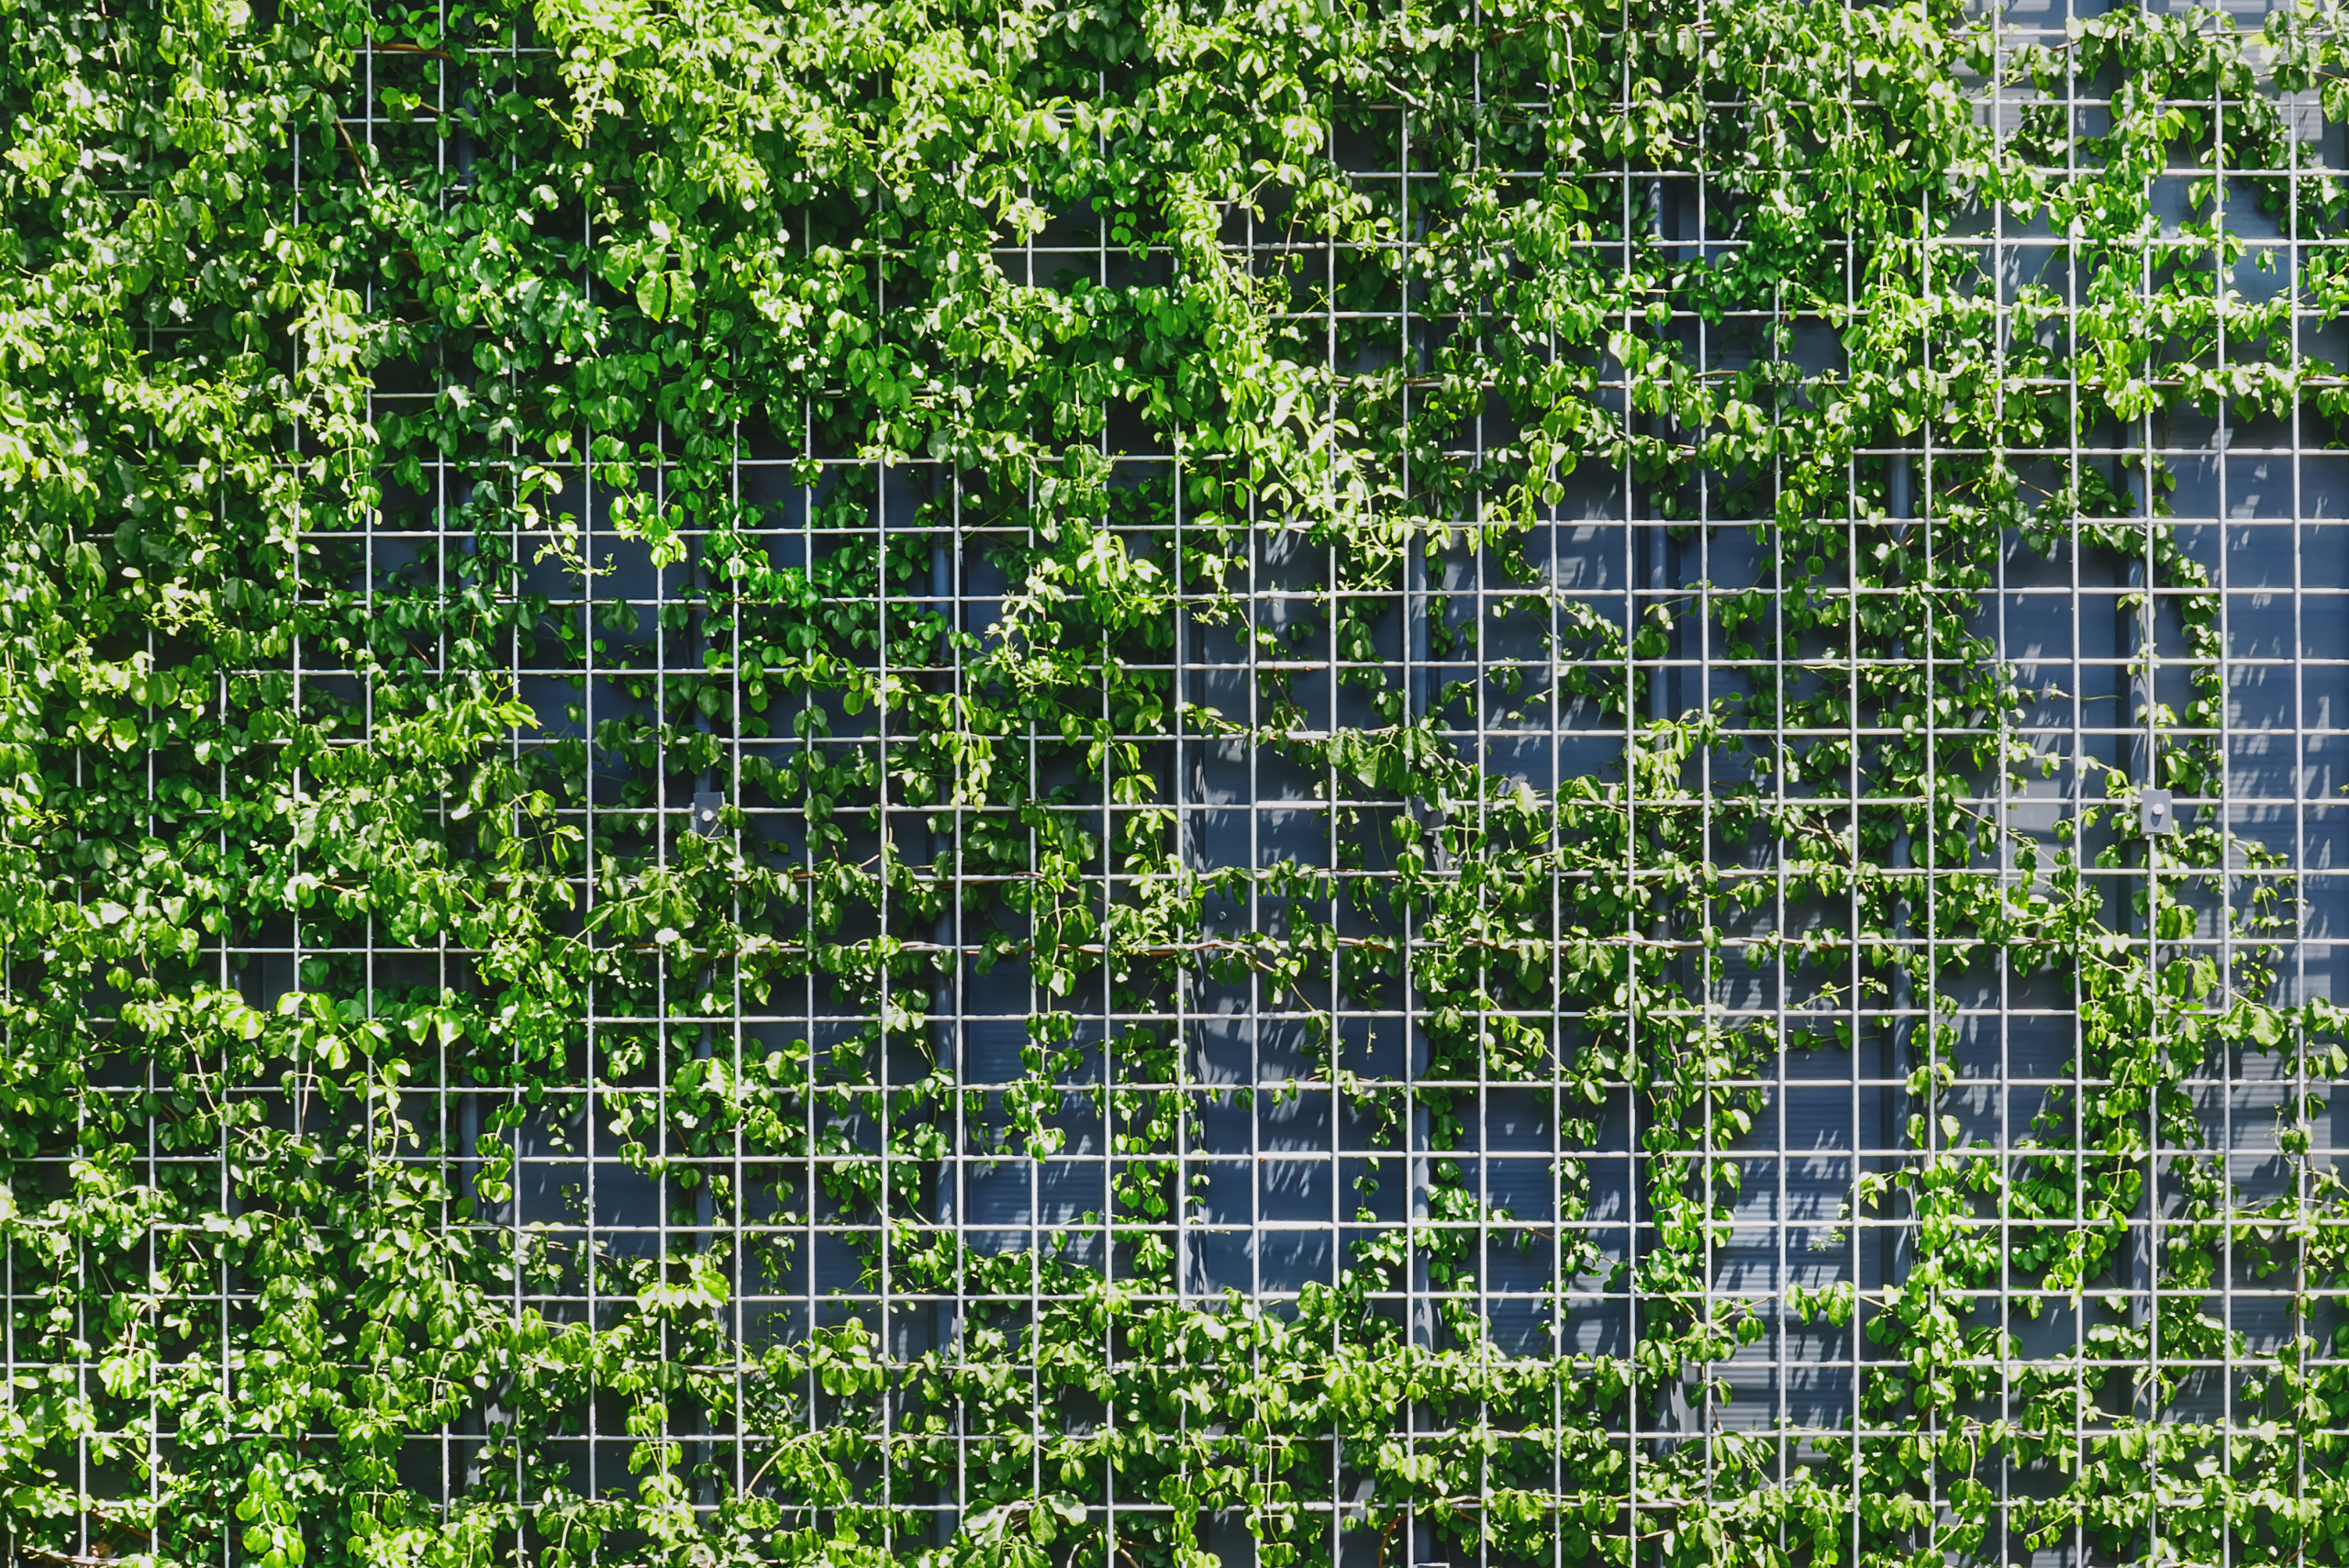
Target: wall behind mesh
[1111, 787]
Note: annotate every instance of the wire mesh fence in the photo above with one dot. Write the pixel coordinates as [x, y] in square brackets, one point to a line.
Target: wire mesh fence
[1620, 834]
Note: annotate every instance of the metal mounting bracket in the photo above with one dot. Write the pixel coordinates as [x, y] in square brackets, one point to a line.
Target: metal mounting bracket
[708, 804]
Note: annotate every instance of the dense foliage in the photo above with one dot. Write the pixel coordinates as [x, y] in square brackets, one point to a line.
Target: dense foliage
[346, 348]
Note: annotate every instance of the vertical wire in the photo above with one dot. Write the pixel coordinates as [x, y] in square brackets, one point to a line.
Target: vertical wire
[1483, 750]
[811, 1108]
[2228, 1072]
[1419, 1310]
[2002, 783]
[589, 1263]
[1634, 1031]
[664, 1002]
[878, 1097]
[1850, 681]
[2303, 1173]
[1335, 792]
[2079, 764]
[743, 842]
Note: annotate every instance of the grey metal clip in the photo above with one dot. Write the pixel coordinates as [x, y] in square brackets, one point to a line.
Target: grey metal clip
[708, 804]
[2155, 814]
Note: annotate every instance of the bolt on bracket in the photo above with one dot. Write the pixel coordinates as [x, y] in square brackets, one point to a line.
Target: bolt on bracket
[708, 804]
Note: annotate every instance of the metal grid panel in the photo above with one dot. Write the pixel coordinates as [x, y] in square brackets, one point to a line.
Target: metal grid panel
[1273, 1148]
[1276, 1184]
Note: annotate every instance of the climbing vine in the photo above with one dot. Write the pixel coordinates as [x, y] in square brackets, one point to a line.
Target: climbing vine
[448, 449]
